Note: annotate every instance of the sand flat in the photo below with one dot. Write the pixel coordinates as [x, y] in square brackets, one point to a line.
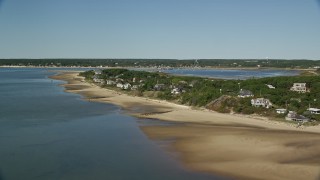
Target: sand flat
[245, 147]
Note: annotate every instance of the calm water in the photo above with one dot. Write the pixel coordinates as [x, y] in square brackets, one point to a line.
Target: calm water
[232, 74]
[46, 133]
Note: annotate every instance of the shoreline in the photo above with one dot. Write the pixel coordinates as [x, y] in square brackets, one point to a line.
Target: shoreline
[247, 147]
[211, 67]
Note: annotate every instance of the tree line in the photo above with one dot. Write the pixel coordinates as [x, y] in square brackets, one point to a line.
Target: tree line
[198, 91]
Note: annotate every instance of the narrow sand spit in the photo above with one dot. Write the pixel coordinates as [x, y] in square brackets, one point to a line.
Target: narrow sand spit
[244, 147]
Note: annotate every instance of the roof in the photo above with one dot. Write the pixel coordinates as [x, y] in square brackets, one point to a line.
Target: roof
[245, 92]
[313, 109]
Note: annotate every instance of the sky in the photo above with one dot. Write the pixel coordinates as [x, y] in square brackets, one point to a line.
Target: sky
[179, 29]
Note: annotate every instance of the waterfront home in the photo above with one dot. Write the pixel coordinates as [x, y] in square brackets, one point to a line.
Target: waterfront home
[97, 80]
[119, 85]
[159, 87]
[245, 93]
[126, 86]
[119, 80]
[299, 87]
[293, 116]
[314, 110]
[281, 111]
[261, 102]
[176, 91]
[270, 86]
[110, 82]
[134, 87]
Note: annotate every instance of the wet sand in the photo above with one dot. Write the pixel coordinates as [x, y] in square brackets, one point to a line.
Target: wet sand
[244, 147]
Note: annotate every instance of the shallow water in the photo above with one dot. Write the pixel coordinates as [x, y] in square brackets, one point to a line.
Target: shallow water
[46, 133]
[241, 74]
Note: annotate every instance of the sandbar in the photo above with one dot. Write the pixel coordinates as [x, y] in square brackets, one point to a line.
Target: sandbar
[231, 145]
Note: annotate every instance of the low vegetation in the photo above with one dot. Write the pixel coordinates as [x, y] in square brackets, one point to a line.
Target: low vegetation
[216, 94]
[165, 63]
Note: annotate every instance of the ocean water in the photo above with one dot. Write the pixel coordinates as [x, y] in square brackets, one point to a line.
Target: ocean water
[46, 133]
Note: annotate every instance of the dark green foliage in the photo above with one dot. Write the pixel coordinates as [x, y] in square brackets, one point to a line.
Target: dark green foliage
[201, 91]
[87, 74]
[279, 63]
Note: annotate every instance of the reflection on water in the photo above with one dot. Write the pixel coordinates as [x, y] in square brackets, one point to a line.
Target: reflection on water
[46, 133]
[232, 74]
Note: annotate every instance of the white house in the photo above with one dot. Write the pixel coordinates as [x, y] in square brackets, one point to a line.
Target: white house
[245, 93]
[110, 82]
[135, 87]
[314, 110]
[119, 85]
[126, 86]
[293, 116]
[281, 111]
[159, 87]
[97, 80]
[175, 91]
[299, 87]
[270, 86]
[261, 102]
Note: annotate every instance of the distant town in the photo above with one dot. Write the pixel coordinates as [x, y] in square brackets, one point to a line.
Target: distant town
[165, 63]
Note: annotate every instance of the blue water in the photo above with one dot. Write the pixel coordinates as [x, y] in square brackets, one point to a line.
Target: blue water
[46, 133]
[232, 74]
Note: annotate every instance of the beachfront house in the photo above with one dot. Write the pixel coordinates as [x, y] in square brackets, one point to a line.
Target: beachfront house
[119, 85]
[159, 87]
[245, 93]
[110, 82]
[314, 110]
[293, 116]
[176, 91]
[261, 102]
[299, 87]
[98, 80]
[281, 111]
[126, 86]
[270, 86]
[135, 87]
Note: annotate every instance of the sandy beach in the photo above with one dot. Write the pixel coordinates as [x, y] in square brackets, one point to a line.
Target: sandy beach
[243, 147]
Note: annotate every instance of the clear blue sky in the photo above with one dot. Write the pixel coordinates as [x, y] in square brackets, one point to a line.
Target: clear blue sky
[179, 29]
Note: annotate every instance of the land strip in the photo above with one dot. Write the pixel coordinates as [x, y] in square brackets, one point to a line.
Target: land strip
[247, 147]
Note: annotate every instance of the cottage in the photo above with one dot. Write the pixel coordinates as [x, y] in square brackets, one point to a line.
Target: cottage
[126, 86]
[110, 82]
[270, 86]
[134, 87]
[97, 80]
[159, 87]
[299, 87]
[245, 93]
[176, 91]
[293, 116]
[314, 110]
[281, 111]
[119, 85]
[261, 102]
[119, 80]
